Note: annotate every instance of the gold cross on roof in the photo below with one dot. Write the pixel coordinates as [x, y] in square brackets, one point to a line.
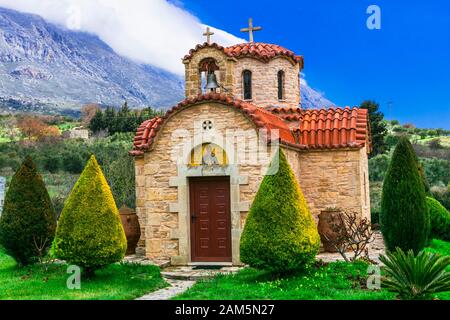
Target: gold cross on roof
[208, 35]
[251, 29]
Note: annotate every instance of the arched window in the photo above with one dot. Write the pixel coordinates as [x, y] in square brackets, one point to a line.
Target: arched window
[247, 84]
[281, 85]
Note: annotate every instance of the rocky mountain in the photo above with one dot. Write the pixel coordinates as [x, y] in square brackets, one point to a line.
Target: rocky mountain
[47, 68]
[312, 99]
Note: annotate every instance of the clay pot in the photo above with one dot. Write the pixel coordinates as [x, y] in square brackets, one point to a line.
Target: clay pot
[326, 219]
[131, 227]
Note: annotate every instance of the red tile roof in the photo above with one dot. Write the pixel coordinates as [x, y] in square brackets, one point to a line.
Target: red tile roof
[261, 51]
[332, 128]
[147, 132]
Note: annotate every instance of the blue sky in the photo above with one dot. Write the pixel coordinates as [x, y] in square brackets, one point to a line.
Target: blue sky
[406, 62]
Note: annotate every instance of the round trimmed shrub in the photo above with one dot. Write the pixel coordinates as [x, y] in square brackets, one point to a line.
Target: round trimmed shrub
[27, 225]
[90, 232]
[439, 220]
[280, 234]
[404, 217]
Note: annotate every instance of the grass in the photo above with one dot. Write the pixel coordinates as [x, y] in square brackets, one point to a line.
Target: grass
[66, 126]
[440, 247]
[115, 282]
[336, 281]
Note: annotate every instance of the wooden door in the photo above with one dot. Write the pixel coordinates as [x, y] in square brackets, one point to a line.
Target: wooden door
[210, 219]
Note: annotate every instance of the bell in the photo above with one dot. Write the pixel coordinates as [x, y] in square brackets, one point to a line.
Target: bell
[211, 84]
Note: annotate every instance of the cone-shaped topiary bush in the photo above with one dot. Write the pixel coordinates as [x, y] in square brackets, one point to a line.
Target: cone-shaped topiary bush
[439, 220]
[404, 218]
[280, 234]
[27, 225]
[90, 232]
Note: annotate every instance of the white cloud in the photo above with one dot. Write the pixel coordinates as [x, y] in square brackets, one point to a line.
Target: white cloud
[149, 31]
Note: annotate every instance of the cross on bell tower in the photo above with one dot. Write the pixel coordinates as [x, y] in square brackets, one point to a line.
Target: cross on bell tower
[251, 29]
[208, 35]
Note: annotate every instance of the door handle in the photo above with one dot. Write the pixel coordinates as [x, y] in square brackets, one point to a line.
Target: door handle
[193, 218]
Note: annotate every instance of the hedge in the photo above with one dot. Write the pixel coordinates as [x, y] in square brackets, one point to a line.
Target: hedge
[280, 234]
[27, 225]
[90, 232]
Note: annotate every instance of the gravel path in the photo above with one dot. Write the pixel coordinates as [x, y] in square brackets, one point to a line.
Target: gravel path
[176, 287]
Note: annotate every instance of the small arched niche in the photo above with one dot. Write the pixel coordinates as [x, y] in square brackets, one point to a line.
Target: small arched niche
[206, 66]
[208, 154]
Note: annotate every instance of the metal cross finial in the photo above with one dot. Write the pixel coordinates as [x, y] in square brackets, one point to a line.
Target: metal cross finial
[208, 35]
[251, 29]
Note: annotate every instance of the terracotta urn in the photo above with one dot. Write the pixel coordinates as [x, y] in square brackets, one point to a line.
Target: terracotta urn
[326, 219]
[131, 227]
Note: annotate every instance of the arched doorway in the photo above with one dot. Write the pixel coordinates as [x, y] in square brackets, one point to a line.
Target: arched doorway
[210, 207]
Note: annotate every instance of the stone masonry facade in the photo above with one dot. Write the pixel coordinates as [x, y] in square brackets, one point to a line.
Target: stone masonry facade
[327, 149]
[265, 81]
[329, 179]
[162, 184]
[230, 76]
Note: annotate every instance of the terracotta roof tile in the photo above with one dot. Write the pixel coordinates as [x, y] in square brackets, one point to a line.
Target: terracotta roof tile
[332, 128]
[147, 132]
[261, 51]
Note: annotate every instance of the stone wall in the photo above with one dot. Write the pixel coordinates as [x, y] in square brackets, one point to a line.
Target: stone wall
[333, 179]
[224, 74]
[162, 184]
[264, 77]
[265, 81]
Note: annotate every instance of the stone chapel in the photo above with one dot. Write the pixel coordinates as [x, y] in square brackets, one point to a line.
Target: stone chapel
[199, 166]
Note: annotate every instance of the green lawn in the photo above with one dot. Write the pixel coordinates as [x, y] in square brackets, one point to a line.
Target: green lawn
[116, 282]
[335, 281]
[439, 246]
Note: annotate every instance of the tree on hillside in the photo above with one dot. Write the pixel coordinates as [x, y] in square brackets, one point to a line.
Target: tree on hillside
[280, 234]
[31, 127]
[435, 144]
[377, 126]
[121, 121]
[35, 128]
[27, 225]
[90, 232]
[404, 218]
[97, 123]
[88, 112]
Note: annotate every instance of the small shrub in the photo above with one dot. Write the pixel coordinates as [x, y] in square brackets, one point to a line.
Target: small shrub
[416, 277]
[90, 232]
[52, 163]
[378, 167]
[435, 144]
[27, 225]
[73, 163]
[351, 234]
[280, 234]
[439, 220]
[404, 218]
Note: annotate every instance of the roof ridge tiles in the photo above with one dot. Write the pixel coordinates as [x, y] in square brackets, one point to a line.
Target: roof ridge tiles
[316, 129]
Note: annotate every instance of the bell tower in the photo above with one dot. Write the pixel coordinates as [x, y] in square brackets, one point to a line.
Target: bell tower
[266, 75]
[208, 69]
